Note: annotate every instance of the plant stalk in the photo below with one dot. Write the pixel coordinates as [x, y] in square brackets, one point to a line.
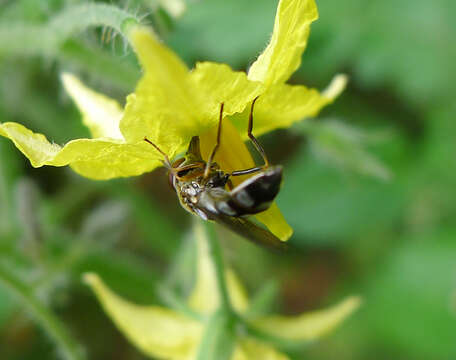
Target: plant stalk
[68, 347]
[216, 256]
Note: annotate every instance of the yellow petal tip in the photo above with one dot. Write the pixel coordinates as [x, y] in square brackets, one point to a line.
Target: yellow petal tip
[284, 233]
[351, 304]
[335, 88]
[65, 77]
[71, 84]
[287, 233]
[90, 279]
[309, 326]
[275, 222]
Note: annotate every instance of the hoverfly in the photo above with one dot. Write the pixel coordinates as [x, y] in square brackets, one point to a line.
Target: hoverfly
[206, 191]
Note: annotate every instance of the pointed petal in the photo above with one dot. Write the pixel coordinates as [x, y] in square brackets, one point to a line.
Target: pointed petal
[205, 296]
[289, 39]
[234, 155]
[284, 104]
[249, 348]
[99, 113]
[34, 146]
[219, 83]
[157, 331]
[275, 222]
[308, 326]
[163, 107]
[335, 88]
[92, 158]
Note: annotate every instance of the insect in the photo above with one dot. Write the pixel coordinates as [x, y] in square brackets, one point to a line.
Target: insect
[206, 190]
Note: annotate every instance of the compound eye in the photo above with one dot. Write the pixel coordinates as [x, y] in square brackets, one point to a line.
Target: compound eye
[184, 172]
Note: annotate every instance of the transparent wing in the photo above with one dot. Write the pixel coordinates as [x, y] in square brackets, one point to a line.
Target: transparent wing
[251, 231]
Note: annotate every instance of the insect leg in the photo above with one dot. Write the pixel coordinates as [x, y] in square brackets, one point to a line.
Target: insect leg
[247, 171]
[257, 145]
[253, 138]
[230, 185]
[214, 150]
[166, 162]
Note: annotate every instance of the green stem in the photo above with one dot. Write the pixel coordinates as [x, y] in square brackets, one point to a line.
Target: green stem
[215, 253]
[68, 347]
[219, 337]
[54, 40]
[80, 17]
[176, 303]
[46, 39]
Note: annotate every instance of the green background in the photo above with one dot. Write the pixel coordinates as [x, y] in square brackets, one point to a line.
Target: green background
[370, 186]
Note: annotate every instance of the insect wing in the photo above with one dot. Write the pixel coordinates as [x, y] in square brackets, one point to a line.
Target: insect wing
[251, 231]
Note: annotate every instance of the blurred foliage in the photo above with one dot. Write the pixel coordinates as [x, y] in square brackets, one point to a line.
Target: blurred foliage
[369, 185]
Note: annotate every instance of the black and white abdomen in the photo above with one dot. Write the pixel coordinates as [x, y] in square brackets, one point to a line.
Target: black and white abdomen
[257, 193]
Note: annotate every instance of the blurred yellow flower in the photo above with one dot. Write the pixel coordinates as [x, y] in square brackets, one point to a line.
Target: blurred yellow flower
[168, 334]
[172, 104]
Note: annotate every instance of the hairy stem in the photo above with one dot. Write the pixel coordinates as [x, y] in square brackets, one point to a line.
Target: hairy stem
[52, 39]
[69, 348]
[45, 39]
[80, 17]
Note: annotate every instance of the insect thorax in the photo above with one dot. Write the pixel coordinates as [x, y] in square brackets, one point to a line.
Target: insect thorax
[189, 190]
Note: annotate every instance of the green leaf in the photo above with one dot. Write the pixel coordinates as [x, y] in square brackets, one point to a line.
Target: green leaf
[396, 43]
[323, 206]
[408, 299]
[345, 146]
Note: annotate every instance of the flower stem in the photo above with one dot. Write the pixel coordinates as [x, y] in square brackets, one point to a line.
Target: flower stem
[80, 17]
[215, 254]
[219, 337]
[69, 348]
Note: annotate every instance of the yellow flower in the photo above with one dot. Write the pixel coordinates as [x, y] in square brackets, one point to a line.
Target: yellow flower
[168, 334]
[172, 104]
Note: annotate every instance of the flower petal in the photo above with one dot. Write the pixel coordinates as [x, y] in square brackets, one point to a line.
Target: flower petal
[163, 107]
[275, 222]
[218, 83]
[101, 160]
[248, 349]
[34, 146]
[157, 331]
[308, 326]
[284, 104]
[93, 158]
[205, 296]
[289, 39]
[99, 113]
[234, 155]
